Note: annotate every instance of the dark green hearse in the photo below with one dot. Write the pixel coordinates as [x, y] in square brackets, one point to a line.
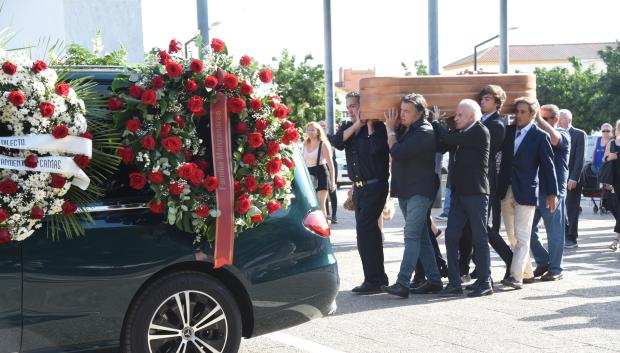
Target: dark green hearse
[133, 284]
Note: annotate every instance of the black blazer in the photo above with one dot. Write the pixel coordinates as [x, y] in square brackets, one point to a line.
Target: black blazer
[577, 153]
[413, 162]
[470, 173]
[497, 130]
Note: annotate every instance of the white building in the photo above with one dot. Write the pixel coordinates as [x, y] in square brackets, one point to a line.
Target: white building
[134, 23]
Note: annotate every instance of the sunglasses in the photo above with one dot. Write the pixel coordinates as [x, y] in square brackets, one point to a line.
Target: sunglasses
[606, 130]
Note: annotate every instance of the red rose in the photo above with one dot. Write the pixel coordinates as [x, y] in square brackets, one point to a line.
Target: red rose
[37, 213]
[236, 105]
[256, 104]
[202, 164]
[196, 66]
[292, 134]
[5, 236]
[58, 181]
[157, 82]
[188, 155]
[245, 61]
[250, 183]
[156, 177]
[273, 206]
[68, 208]
[255, 139]
[81, 160]
[195, 104]
[211, 183]
[190, 86]
[202, 211]
[156, 206]
[8, 186]
[257, 219]
[87, 135]
[176, 189]
[179, 120]
[241, 128]
[281, 112]
[266, 190]
[114, 104]
[211, 81]
[133, 125]
[273, 148]
[148, 142]
[149, 97]
[274, 165]
[248, 159]
[243, 204]
[137, 181]
[217, 45]
[164, 57]
[185, 171]
[172, 144]
[31, 161]
[287, 124]
[165, 130]
[62, 89]
[174, 69]
[174, 46]
[16, 98]
[126, 153]
[47, 109]
[274, 101]
[231, 81]
[246, 88]
[9, 68]
[237, 185]
[136, 91]
[265, 75]
[60, 131]
[288, 163]
[3, 215]
[38, 66]
[197, 177]
[279, 182]
[261, 124]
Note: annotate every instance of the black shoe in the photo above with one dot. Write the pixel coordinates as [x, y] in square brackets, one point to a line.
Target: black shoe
[507, 274]
[551, 276]
[512, 282]
[416, 283]
[480, 292]
[396, 289]
[451, 291]
[428, 287]
[472, 286]
[541, 270]
[334, 220]
[473, 275]
[366, 288]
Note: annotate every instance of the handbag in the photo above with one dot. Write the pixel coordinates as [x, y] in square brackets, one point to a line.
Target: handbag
[315, 180]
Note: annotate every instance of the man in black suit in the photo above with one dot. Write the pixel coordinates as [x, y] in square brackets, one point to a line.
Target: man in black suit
[470, 194]
[575, 166]
[491, 98]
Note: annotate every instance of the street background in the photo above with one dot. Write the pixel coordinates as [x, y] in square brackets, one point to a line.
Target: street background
[580, 313]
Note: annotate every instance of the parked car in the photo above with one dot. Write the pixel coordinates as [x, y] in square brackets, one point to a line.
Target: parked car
[138, 284]
[343, 175]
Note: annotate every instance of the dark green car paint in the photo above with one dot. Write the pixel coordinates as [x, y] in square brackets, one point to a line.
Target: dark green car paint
[72, 295]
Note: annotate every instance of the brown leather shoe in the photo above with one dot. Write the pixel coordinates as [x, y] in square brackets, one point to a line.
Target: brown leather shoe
[540, 270]
[551, 276]
[529, 280]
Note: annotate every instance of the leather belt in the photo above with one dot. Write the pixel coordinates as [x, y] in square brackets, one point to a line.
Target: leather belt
[362, 183]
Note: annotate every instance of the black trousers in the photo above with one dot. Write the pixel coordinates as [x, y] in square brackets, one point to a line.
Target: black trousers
[420, 275]
[472, 209]
[369, 202]
[573, 199]
[333, 196]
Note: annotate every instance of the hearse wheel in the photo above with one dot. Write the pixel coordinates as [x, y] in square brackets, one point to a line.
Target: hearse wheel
[183, 312]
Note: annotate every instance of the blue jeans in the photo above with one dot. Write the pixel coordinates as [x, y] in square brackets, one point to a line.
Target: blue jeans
[446, 202]
[417, 241]
[555, 227]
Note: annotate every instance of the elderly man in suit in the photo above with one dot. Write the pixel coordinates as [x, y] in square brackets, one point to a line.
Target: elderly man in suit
[526, 152]
[469, 179]
[575, 166]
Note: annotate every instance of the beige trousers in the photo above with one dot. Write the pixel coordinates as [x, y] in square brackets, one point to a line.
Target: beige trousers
[518, 222]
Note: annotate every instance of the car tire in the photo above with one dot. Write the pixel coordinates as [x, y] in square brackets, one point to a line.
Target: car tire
[154, 319]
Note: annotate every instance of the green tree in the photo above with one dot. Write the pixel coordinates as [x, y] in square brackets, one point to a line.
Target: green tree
[420, 68]
[78, 55]
[609, 100]
[302, 87]
[578, 90]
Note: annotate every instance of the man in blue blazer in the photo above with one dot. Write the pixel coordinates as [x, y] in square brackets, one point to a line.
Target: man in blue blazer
[526, 151]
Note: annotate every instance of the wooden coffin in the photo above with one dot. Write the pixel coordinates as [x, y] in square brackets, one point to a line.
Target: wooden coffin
[378, 94]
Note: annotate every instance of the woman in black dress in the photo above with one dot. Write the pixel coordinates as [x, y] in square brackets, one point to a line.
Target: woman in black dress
[317, 155]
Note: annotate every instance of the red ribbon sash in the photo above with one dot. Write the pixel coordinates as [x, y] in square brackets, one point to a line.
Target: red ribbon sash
[222, 166]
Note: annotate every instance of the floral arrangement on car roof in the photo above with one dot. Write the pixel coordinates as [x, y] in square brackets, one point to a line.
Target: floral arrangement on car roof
[46, 146]
[162, 109]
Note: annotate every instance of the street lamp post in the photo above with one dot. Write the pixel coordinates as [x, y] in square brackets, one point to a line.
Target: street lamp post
[483, 43]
